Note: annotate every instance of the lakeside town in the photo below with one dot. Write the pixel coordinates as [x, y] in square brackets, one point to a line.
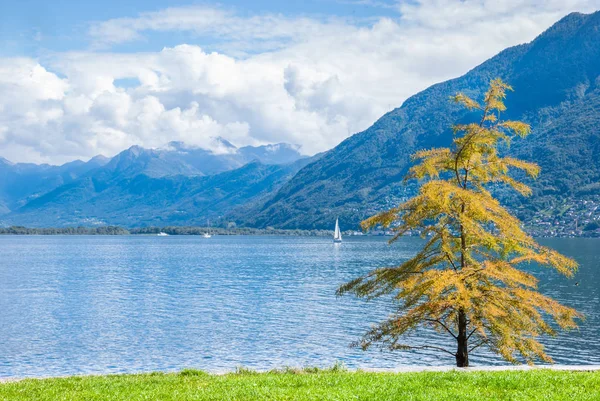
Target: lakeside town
[566, 218]
[573, 218]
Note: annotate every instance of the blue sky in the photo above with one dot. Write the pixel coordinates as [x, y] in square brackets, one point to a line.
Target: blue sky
[81, 78]
[33, 27]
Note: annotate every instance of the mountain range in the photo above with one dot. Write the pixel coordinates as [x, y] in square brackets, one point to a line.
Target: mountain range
[556, 81]
[175, 184]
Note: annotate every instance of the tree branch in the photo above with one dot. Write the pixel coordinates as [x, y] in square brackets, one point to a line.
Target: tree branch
[443, 325]
[429, 347]
[451, 262]
[472, 274]
[485, 113]
[470, 334]
[478, 345]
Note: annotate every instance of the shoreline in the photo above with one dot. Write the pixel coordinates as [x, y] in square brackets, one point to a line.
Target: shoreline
[215, 231]
[266, 234]
[398, 370]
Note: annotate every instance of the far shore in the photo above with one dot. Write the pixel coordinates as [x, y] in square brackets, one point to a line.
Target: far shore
[153, 231]
[198, 231]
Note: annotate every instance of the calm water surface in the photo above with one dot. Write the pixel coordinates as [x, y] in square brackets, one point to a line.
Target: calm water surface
[74, 305]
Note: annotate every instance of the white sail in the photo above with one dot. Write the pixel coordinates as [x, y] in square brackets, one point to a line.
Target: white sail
[337, 235]
[207, 233]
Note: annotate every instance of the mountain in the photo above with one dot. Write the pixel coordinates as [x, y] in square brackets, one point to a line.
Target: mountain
[176, 184]
[280, 153]
[22, 182]
[178, 158]
[142, 200]
[556, 79]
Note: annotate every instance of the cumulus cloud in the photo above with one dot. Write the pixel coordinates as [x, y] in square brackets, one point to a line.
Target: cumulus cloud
[306, 81]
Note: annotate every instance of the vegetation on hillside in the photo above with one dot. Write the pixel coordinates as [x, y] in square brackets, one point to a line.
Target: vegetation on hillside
[173, 230]
[468, 281]
[104, 230]
[556, 78]
[128, 198]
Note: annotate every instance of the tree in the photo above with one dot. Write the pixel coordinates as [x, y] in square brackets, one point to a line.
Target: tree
[468, 279]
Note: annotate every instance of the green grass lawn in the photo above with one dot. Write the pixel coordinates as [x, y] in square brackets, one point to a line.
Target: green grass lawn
[315, 385]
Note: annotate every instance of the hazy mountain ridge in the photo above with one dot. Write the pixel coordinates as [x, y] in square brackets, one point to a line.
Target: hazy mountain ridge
[22, 182]
[177, 158]
[137, 181]
[142, 200]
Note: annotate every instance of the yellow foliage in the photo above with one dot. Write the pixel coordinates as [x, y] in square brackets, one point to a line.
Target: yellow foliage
[468, 277]
[466, 101]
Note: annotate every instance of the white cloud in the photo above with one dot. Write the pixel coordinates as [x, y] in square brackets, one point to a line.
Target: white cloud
[321, 80]
[272, 30]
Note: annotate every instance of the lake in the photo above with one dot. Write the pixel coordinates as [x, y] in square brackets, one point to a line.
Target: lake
[87, 304]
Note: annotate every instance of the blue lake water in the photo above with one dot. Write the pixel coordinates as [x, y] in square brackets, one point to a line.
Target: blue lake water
[79, 305]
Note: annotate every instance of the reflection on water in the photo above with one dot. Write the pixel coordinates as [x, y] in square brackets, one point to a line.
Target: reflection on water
[71, 305]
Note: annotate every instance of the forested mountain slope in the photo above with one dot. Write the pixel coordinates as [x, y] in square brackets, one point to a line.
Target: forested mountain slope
[556, 79]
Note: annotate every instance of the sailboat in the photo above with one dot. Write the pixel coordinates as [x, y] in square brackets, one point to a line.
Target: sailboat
[337, 234]
[207, 233]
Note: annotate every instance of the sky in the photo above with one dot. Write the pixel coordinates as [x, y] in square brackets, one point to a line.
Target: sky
[80, 78]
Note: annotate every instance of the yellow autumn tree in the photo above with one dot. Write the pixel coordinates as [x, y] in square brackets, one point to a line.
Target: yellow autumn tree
[468, 280]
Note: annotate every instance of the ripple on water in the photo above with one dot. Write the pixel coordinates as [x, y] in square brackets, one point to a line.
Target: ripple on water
[75, 305]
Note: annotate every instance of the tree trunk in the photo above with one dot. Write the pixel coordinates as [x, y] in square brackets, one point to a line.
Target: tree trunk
[462, 353]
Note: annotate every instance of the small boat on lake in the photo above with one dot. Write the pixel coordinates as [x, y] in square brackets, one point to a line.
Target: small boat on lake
[207, 233]
[161, 234]
[337, 234]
